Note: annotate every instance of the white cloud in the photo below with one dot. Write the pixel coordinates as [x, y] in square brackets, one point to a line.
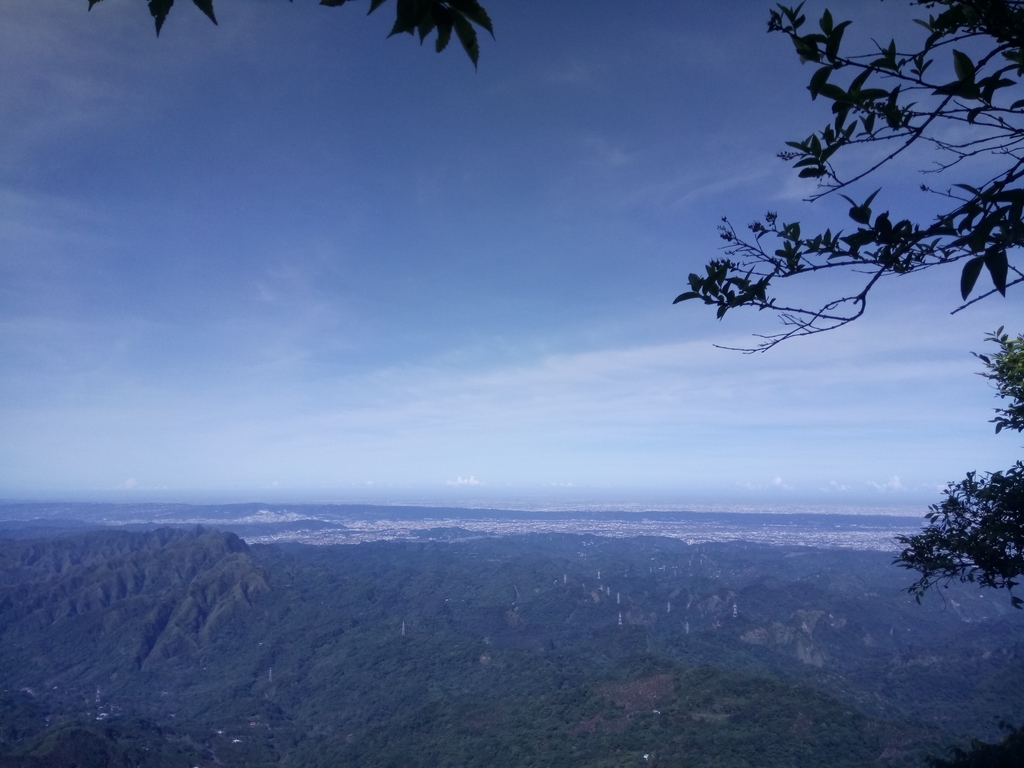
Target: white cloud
[464, 481]
[893, 484]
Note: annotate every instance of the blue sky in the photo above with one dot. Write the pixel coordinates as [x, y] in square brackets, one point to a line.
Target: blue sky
[287, 258]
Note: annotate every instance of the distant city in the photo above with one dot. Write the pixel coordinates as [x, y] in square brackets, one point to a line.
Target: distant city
[327, 524]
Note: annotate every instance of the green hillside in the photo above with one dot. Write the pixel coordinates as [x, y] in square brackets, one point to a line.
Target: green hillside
[173, 647]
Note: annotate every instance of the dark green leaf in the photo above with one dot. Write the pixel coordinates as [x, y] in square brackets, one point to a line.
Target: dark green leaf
[444, 33]
[818, 79]
[970, 276]
[859, 80]
[998, 266]
[826, 22]
[427, 26]
[206, 6]
[963, 66]
[686, 296]
[407, 18]
[159, 10]
[475, 12]
[467, 36]
[969, 188]
[834, 92]
[861, 213]
[835, 39]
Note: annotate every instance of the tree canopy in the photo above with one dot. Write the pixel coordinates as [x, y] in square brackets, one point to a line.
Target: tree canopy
[1007, 753]
[977, 532]
[413, 17]
[957, 91]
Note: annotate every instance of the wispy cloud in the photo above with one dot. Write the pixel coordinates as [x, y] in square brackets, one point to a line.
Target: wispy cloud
[608, 154]
[834, 487]
[825, 413]
[570, 73]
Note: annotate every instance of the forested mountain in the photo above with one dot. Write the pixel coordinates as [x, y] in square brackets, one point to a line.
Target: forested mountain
[172, 646]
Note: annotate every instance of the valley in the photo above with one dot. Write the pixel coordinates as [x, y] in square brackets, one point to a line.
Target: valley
[542, 648]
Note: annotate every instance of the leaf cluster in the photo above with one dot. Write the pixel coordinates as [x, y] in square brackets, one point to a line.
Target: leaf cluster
[1006, 370]
[414, 17]
[1008, 752]
[975, 535]
[977, 532]
[895, 98]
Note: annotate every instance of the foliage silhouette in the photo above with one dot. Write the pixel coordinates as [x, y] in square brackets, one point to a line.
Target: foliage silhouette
[413, 17]
[977, 532]
[1007, 753]
[893, 98]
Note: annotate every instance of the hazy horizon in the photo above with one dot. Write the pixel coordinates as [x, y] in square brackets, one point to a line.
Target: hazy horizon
[496, 499]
